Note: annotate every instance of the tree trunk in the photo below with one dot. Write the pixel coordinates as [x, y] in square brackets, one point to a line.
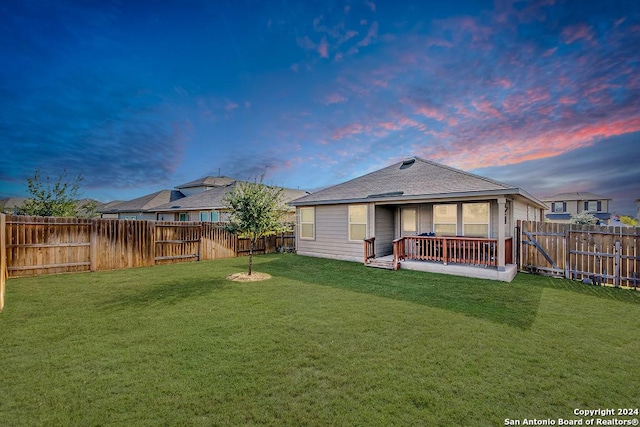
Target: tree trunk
[250, 254]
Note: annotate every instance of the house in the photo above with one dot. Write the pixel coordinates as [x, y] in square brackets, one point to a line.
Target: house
[564, 204]
[10, 205]
[209, 205]
[200, 200]
[140, 208]
[417, 214]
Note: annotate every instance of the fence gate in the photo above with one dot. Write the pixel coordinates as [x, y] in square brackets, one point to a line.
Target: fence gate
[601, 254]
[177, 241]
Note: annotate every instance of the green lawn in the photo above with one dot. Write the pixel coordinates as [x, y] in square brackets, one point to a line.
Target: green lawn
[321, 343]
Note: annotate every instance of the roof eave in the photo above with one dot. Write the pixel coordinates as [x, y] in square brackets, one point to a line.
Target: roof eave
[425, 197]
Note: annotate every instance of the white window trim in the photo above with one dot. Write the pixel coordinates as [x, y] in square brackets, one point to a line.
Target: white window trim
[313, 223]
[365, 223]
[488, 223]
[445, 223]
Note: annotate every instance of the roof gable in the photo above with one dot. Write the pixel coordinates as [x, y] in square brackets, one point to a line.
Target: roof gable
[208, 181]
[412, 177]
[145, 203]
[574, 196]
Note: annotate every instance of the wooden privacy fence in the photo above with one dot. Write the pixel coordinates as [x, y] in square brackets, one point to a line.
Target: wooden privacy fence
[600, 254]
[45, 245]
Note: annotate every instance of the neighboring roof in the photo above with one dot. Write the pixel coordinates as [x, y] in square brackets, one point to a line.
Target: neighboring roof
[412, 179]
[214, 199]
[12, 202]
[562, 197]
[208, 181]
[144, 203]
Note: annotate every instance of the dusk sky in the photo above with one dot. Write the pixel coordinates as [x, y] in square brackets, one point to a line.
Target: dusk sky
[140, 96]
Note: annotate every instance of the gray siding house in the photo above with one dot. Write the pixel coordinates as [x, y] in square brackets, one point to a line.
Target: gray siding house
[417, 214]
[199, 200]
[561, 206]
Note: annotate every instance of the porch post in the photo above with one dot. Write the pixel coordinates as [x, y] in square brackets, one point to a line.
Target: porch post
[501, 232]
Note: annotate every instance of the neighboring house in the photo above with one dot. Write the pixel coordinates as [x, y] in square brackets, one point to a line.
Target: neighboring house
[10, 205]
[140, 208]
[209, 205]
[381, 215]
[561, 206]
[200, 200]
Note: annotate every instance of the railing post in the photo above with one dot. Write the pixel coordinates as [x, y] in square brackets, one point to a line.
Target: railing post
[445, 253]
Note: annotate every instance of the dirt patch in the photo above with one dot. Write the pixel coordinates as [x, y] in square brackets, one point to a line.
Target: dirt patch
[244, 277]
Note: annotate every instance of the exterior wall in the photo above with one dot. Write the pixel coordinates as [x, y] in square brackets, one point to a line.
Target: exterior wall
[384, 229]
[332, 235]
[524, 211]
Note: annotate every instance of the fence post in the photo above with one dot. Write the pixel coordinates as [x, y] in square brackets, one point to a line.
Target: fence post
[93, 245]
[616, 264]
[3, 258]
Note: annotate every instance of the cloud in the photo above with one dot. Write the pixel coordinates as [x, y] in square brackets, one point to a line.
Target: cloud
[334, 98]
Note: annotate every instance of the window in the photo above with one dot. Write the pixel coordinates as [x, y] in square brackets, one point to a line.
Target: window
[183, 217]
[130, 217]
[558, 207]
[592, 206]
[445, 220]
[409, 221]
[204, 216]
[475, 219]
[215, 216]
[307, 223]
[357, 222]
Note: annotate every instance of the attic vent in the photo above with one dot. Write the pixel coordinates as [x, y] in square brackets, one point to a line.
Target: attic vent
[407, 163]
[390, 194]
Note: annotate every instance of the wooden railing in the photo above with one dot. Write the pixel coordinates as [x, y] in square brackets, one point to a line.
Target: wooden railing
[458, 250]
[369, 249]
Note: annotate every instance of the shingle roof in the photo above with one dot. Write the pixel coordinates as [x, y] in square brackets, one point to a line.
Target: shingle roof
[214, 199]
[10, 203]
[208, 181]
[574, 196]
[417, 178]
[145, 203]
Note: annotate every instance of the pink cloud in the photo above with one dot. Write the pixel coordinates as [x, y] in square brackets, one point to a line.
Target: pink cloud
[230, 106]
[577, 32]
[486, 108]
[348, 130]
[323, 48]
[334, 98]
[430, 112]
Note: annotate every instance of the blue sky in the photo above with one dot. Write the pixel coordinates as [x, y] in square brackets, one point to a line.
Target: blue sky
[141, 96]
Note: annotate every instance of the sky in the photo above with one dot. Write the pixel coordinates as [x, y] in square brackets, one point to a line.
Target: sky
[139, 96]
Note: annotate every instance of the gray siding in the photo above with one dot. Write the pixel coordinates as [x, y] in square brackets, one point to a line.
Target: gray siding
[332, 235]
[385, 230]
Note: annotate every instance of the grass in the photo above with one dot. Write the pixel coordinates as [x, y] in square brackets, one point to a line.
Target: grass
[322, 343]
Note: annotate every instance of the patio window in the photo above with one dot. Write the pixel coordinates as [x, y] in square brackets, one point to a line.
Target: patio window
[445, 219]
[409, 221]
[215, 216]
[307, 222]
[475, 219]
[357, 222]
[205, 216]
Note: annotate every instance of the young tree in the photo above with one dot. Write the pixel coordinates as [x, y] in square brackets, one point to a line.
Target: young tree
[52, 198]
[256, 210]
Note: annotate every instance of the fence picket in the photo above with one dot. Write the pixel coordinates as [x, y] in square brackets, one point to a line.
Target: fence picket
[599, 253]
[39, 245]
